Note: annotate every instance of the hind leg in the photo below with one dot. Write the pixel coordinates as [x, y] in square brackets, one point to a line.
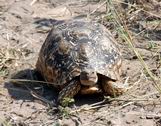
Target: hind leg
[69, 91]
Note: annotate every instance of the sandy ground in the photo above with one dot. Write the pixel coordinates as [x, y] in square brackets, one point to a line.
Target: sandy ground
[23, 29]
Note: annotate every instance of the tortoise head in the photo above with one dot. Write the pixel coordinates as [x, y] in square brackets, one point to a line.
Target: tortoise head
[88, 77]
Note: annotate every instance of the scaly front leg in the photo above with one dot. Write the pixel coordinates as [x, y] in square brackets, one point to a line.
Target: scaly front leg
[69, 91]
[113, 88]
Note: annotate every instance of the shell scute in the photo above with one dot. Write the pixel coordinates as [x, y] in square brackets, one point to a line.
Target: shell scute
[74, 45]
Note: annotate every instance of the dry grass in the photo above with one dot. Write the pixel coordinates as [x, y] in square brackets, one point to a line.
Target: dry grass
[10, 58]
[122, 26]
[5, 122]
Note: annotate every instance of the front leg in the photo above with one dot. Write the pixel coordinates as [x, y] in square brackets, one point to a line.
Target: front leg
[113, 88]
[69, 91]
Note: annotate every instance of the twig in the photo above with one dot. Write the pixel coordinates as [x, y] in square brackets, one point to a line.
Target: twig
[98, 7]
[87, 108]
[35, 95]
[127, 104]
[127, 100]
[26, 80]
[33, 1]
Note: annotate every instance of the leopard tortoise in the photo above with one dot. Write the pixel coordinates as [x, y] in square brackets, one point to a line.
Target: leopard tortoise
[81, 57]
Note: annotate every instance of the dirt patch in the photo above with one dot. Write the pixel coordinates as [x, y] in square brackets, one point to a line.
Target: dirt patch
[23, 29]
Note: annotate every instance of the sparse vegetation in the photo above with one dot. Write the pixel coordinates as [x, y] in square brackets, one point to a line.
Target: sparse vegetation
[123, 32]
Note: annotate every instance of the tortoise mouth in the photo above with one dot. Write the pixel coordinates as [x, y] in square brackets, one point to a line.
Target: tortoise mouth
[88, 77]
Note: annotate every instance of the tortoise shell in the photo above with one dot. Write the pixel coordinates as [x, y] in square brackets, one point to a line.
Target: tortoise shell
[74, 45]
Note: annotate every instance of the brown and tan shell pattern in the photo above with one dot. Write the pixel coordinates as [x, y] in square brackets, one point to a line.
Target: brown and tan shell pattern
[74, 45]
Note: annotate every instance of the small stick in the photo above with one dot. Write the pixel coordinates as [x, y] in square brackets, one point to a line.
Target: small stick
[32, 3]
[35, 95]
[98, 7]
[17, 81]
